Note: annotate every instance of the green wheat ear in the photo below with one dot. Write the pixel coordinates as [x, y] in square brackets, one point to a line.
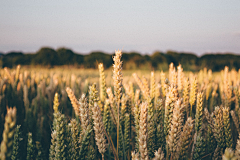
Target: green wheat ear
[74, 136]
[93, 97]
[217, 154]
[227, 127]
[199, 148]
[85, 143]
[40, 154]
[59, 135]
[52, 151]
[211, 142]
[16, 143]
[30, 147]
[235, 120]
[61, 129]
[219, 129]
[91, 153]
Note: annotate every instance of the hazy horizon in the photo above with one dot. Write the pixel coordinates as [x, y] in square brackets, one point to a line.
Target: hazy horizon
[124, 51]
[191, 26]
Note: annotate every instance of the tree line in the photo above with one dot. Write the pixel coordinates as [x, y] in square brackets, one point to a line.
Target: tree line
[49, 57]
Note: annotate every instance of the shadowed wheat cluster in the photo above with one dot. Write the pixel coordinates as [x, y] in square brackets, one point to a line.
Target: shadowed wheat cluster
[61, 114]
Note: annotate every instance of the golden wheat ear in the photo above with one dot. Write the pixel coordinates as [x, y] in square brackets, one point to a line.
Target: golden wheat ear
[175, 129]
[102, 83]
[73, 100]
[229, 154]
[193, 93]
[117, 81]
[8, 133]
[99, 129]
[159, 155]
[135, 155]
[143, 131]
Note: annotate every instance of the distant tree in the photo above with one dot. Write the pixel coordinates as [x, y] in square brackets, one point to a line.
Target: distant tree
[129, 56]
[133, 60]
[188, 61]
[139, 60]
[66, 56]
[172, 57]
[217, 62]
[92, 60]
[1, 62]
[11, 59]
[78, 59]
[158, 58]
[46, 56]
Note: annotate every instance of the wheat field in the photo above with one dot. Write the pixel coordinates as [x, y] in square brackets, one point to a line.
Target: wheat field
[67, 113]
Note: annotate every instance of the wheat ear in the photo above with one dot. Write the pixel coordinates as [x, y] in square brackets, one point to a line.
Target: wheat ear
[99, 129]
[8, 133]
[143, 136]
[73, 100]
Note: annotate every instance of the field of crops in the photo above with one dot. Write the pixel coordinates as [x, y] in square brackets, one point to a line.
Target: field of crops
[69, 113]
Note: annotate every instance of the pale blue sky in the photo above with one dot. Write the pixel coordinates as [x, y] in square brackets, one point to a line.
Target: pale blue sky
[144, 26]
